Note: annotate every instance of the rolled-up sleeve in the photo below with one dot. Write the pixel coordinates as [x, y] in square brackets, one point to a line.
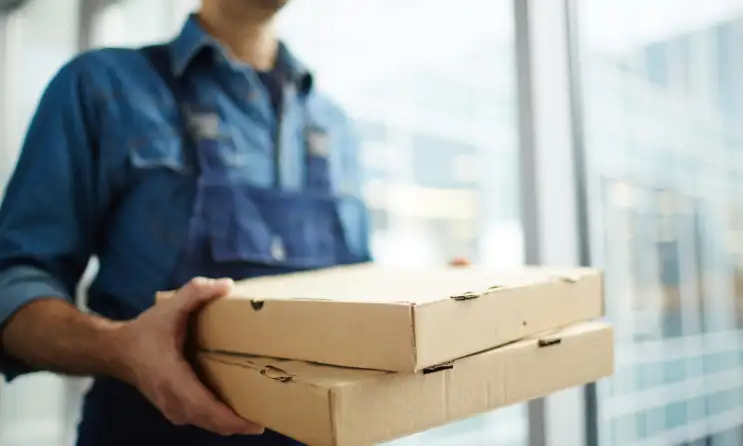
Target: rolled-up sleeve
[47, 217]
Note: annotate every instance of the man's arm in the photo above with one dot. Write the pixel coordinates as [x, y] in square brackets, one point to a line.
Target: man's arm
[49, 222]
[82, 344]
[47, 225]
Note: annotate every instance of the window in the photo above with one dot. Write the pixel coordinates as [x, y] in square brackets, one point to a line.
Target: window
[663, 79]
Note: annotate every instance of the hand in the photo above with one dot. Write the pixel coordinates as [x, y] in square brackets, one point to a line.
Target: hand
[153, 346]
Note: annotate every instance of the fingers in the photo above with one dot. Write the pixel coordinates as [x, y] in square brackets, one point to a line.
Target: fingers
[190, 402]
[168, 380]
[187, 400]
[217, 417]
[200, 291]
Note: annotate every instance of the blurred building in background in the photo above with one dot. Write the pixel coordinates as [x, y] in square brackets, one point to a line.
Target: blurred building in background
[442, 93]
[664, 144]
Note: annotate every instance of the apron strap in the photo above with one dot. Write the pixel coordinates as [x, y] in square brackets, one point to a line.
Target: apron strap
[159, 58]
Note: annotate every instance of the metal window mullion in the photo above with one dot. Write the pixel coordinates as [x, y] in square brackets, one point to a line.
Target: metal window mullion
[4, 66]
[536, 435]
[553, 214]
[86, 19]
[585, 229]
[3, 149]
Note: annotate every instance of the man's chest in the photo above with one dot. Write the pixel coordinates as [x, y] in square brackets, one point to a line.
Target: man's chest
[207, 126]
[164, 149]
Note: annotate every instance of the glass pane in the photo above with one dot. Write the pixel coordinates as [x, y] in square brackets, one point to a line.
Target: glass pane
[662, 92]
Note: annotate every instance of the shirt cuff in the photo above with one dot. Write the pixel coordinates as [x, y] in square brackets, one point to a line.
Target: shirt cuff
[20, 286]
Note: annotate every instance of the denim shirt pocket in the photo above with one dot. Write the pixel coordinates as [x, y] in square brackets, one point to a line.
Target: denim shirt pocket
[161, 150]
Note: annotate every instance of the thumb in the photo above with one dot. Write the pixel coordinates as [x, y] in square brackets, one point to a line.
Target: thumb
[199, 291]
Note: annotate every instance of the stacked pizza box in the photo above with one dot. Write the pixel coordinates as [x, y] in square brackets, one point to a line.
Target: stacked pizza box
[361, 355]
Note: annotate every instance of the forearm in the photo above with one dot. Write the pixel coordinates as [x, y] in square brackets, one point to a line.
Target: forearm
[51, 334]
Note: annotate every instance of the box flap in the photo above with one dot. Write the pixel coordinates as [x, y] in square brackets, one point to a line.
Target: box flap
[327, 406]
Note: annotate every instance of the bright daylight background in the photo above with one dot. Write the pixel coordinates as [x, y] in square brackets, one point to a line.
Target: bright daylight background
[433, 87]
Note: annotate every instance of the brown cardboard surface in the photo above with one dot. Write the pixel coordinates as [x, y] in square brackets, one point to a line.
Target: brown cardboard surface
[322, 405]
[405, 320]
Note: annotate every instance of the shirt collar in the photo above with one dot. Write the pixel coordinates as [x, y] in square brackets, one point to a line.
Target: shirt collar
[193, 39]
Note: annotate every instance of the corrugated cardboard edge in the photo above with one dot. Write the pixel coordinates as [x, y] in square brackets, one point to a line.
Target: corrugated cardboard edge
[501, 315]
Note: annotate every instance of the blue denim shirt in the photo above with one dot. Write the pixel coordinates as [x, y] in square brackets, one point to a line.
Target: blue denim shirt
[102, 168]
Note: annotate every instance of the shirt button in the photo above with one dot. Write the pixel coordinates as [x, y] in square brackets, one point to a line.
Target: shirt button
[277, 249]
[318, 144]
[252, 96]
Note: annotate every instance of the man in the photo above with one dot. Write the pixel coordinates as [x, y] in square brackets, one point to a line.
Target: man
[209, 156]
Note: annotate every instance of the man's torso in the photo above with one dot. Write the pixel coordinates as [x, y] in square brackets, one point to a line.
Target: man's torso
[148, 170]
[193, 184]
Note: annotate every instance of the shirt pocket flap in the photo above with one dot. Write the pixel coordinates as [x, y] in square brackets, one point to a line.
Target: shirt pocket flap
[163, 150]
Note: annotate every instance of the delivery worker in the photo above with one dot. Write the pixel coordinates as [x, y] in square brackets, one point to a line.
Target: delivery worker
[212, 156]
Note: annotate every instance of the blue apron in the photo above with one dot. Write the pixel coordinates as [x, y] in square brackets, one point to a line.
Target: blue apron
[237, 230]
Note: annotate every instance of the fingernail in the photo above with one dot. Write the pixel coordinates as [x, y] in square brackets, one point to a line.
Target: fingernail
[225, 282]
[254, 430]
